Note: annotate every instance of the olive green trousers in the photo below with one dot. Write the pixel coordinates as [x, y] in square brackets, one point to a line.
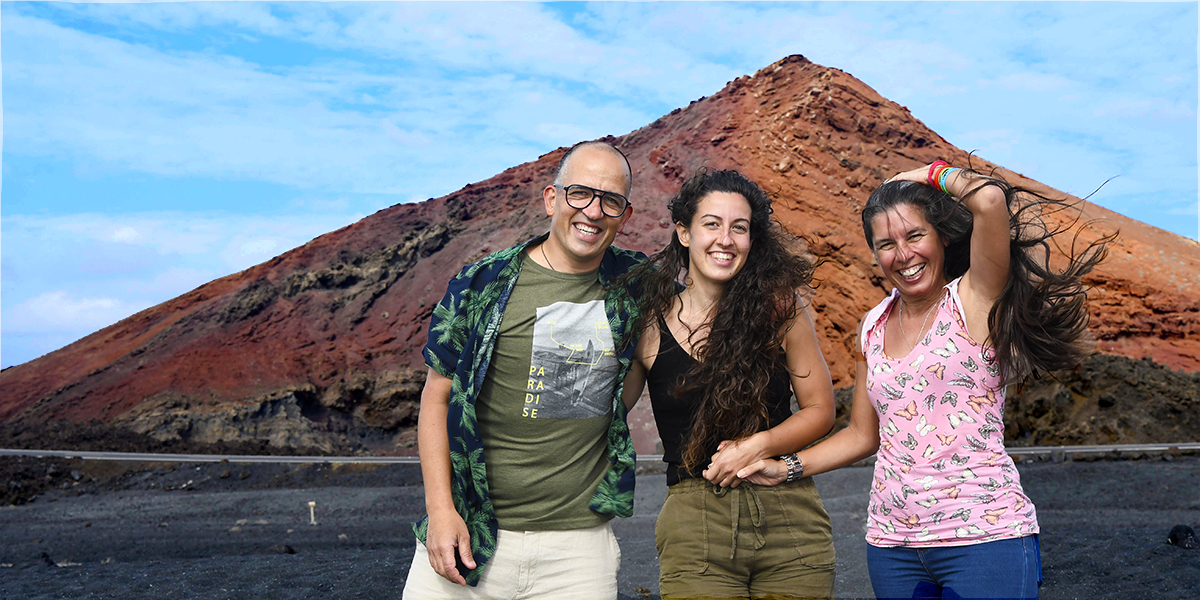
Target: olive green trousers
[746, 542]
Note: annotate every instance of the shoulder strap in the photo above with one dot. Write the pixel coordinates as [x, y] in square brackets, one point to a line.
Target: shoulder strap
[872, 319]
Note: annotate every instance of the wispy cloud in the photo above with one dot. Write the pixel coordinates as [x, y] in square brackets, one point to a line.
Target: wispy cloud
[141, 109]
[1033, 82]
[90, 270]
[1154, 108]
[60, 312]
[279, 122]
[515, 80]
[192, 114]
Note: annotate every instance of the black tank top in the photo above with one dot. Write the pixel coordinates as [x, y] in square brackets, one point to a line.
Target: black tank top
[674, 415]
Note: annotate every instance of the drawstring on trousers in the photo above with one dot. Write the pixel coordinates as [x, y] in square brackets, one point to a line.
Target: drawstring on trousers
[756, 513]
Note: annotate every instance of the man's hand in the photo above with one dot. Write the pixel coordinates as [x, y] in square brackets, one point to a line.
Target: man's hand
[447, 537]
[447, 540]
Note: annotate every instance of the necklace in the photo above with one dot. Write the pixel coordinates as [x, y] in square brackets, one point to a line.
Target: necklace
[923, 323]
[542, 247]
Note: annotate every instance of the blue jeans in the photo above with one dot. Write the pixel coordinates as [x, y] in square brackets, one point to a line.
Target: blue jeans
[1010, 568]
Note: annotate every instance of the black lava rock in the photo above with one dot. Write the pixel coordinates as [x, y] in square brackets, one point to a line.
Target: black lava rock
[1182, 536]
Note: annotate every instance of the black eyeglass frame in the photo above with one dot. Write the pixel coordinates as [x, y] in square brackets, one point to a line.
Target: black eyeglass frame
[595, 194]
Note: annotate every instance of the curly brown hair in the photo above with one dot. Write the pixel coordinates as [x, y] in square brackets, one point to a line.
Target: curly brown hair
[1040, 321]
[736, 358]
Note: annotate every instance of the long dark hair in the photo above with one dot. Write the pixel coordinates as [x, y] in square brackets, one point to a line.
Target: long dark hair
[1040, 321]
[734, 362]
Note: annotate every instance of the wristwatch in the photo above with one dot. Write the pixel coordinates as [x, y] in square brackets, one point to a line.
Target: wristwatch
[794, 466]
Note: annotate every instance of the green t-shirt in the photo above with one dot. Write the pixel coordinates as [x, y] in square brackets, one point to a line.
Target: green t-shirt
[544, 408]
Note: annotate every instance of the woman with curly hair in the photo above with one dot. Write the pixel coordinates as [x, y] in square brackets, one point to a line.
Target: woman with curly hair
[725, 339]
[976, 306]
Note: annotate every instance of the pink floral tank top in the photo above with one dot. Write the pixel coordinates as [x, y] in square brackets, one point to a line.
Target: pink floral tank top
[942, 476]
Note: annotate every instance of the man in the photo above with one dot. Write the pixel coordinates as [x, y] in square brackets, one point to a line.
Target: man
[523, 370]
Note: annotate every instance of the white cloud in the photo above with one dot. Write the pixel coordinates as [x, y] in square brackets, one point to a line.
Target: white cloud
[171, 282]
[1154, 108]
[125, 234]
[92, 95]
[240, 240]
[61, 312]
[993, 144]
[405, 101]
[249, 250]
[566, 131]
[1185, 209]
[184, 16]
[18, 348]
[1032, 82]
[97, 279]
[197, 115]
[509, 82]
[89, 98]
[405, 137]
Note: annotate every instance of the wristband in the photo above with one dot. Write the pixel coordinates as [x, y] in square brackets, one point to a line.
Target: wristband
[794, 466]
[945, 176]
[931, 177]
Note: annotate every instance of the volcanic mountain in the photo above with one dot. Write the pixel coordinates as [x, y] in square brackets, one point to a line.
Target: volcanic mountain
[321, 346]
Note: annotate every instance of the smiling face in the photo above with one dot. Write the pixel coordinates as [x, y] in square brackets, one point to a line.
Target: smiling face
[909, 250]
[578, 238]
[718, 238]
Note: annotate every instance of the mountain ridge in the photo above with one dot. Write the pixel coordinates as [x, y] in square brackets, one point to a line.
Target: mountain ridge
[321, 345]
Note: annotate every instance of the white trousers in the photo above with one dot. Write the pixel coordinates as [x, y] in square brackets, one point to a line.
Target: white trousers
[576, 563]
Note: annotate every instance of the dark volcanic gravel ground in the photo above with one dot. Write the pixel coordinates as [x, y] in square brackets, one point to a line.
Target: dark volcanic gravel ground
[127, 536]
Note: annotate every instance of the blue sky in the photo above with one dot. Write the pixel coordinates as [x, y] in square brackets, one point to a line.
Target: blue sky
[151, 148]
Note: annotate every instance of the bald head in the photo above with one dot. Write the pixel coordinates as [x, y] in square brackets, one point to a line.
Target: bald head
[582, 151]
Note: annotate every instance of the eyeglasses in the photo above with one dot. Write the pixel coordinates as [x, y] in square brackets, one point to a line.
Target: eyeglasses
[580, 197]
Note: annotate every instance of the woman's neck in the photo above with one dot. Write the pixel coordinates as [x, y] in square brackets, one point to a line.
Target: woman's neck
[920, 305]
[699, 302]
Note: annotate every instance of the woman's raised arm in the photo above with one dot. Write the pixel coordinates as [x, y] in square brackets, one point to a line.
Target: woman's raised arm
[988, 274]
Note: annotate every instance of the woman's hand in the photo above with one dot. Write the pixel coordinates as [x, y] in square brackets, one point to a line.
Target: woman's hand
[769, 471]
[919, 175]
[956, 185]
[732, 456]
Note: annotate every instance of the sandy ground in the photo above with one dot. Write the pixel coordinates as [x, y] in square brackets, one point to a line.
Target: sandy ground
[216, 531]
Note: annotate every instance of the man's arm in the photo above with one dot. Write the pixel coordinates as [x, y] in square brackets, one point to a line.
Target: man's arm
[635, 381]
[447, 533]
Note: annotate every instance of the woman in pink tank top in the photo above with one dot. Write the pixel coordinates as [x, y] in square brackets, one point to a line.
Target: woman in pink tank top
[975, 306]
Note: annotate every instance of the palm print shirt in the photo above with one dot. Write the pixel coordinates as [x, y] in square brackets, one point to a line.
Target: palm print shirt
[462, 336]
[942, 476]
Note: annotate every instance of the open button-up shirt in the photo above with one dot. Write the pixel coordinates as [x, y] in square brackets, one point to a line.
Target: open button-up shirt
[462, 336]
